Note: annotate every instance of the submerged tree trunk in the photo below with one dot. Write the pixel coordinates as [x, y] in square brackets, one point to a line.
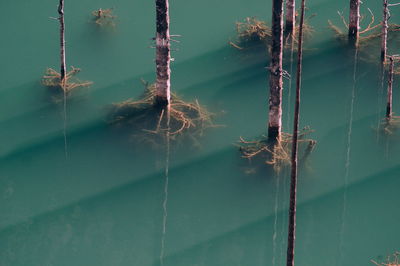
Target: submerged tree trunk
[163, 54]
[384, 31]
[275, 97]
[354, 22]
[290, 16]
[389, 90]
[62, 39]
[293, 174]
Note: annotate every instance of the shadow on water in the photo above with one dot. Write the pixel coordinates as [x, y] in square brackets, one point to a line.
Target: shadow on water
[31, 96]
[200, 229]
[123, 89]
[104, 205]
[325, 207]
[80, 214]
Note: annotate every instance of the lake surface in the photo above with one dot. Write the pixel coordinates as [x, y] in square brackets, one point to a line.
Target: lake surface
[98, 199]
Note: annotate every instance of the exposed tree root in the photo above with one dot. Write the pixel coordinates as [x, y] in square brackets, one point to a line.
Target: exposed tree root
[104, 17]
[389, 126]
[372, 43]
[376, 35]
[308, 31]
[369, 40]
[275, 154]
[371, 32]
[52, 80]
[393, 260]
[150, 121]
[253, 31]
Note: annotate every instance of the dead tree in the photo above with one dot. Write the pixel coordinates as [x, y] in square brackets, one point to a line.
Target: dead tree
[163, 54]
[384, 30]
[290, 16]
[354, 22]
[276, 82]
[62, 40]
[293, 173]
[389, 90]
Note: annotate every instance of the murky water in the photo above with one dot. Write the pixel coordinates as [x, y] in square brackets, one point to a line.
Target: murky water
[115, 202]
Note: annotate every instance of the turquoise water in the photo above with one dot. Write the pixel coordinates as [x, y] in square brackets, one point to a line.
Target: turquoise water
[103, 204]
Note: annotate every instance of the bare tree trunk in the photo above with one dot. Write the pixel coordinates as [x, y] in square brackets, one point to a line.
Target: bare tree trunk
[384, 31]
[354, 22]
[163, 54]
[389, 90]
[62, 39]
[290, 16]
[293, 174]
[275, 97]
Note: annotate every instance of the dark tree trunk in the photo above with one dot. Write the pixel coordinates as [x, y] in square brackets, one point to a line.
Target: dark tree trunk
[62, 39]
[384, 30]
[389, 90]
[293, 174]
[163, 54]
[290, 16]
[354, 22]
[275, 97]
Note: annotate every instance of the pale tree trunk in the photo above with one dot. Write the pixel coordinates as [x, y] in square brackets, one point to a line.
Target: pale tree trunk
[389, 90]
[354, 22]
[384, 31]
[62, 40]
[275, 97]
[290, 16]
[293, 174]
[163, 54]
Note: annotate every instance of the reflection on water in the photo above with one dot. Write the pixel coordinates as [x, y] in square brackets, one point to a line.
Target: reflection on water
[348, 153]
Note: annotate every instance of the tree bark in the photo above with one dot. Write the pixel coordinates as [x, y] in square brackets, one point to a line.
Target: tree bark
[389, 90]
[354, 22]
[275, 97]
[290, 16]
[293, 174]
[62, 40]
[384, 31]
[163, 54]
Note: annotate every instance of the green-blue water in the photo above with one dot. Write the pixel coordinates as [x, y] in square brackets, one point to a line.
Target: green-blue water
[103, 204]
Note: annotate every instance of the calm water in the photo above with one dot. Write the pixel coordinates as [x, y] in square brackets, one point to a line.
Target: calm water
[103, 204]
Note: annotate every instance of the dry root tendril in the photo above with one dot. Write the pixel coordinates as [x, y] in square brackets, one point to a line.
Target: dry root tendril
[251, 30]
[151, 121]
[390, 125]
[393, 260]
[104, 17]
[52, 80]
[308, 31]
[277, 154]
[369, 39]
[369, 33]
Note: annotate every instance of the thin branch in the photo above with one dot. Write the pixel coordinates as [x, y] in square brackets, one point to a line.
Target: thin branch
[370, 27]
[343, 19]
